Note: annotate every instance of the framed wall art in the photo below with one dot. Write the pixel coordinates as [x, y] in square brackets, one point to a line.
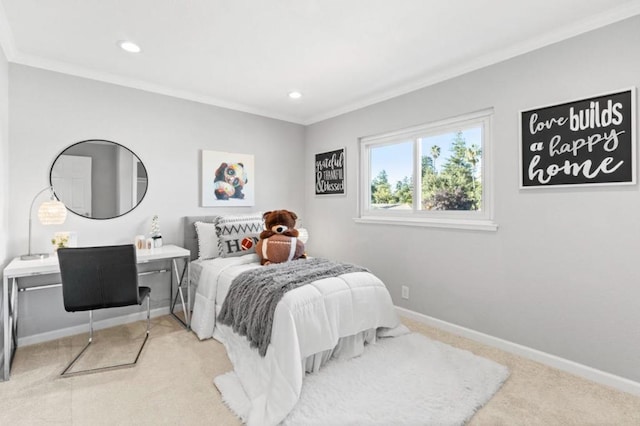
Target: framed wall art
[590, 141]
[330, 173]
[228, 179]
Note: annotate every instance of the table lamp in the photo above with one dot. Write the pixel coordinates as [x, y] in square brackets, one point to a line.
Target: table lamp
[50, 212]
[303, 235]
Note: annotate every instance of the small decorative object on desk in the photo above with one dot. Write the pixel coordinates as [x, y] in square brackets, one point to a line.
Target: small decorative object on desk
[140, 242]
[155, 232]
[64, 239]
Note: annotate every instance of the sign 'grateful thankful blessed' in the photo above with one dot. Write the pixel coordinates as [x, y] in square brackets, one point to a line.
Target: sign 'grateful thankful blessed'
[330, 177]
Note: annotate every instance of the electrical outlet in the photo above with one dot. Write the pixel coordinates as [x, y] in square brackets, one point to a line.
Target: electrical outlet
[405, 292]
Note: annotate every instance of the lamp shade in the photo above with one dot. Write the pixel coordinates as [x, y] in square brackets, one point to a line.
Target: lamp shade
[52, 212]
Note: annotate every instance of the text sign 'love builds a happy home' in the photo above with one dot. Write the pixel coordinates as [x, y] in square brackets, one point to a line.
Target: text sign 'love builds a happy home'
[585, 142]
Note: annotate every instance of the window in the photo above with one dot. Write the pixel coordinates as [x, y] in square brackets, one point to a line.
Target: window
[437, 174]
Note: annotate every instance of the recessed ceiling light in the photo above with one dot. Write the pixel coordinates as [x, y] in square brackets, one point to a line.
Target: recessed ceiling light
[295, 95]
[129, 46]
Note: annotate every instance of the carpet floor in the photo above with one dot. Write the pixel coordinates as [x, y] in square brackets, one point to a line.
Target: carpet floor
[173, 385]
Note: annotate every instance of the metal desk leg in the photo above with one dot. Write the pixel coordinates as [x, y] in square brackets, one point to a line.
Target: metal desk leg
[10, 323]
[13, 312]
[180, 277]
[188, 260]
[7, 329]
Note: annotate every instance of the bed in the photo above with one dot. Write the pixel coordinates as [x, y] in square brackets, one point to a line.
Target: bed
[327, 318]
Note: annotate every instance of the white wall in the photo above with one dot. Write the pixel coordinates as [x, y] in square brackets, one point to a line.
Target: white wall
[4, 162]
[561, 274]
[50, 111]
[4, 155]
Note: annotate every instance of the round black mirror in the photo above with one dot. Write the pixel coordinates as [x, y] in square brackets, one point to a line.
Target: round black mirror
[99, 179]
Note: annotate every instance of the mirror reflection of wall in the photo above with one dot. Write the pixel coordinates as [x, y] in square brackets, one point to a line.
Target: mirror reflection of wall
[99, 179]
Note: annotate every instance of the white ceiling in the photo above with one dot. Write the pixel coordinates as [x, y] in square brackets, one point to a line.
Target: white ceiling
[248, 54]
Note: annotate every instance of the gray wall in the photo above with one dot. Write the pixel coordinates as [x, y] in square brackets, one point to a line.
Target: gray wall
[560, 275]
[50, 111]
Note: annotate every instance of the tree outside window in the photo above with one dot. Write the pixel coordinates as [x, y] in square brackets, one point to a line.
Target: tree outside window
[436, 174]
[454, 183]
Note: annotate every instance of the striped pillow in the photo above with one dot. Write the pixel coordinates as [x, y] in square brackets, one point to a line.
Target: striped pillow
[238, 235]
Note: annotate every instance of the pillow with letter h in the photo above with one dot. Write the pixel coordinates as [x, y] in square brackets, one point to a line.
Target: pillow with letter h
[238, 235]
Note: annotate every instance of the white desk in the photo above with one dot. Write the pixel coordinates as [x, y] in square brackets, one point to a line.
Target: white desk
[17, 269]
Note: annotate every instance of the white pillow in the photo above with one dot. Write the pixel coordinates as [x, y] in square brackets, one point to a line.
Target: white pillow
[207, 240]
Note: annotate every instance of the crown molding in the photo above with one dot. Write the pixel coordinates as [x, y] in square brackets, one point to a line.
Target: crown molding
[13, 55]
[620, 13]
[92, 74]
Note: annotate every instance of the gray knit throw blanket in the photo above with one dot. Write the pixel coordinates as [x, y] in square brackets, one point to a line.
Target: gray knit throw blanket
[251, 302]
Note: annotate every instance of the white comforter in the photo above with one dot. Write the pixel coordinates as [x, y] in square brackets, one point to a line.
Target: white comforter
[308, 320]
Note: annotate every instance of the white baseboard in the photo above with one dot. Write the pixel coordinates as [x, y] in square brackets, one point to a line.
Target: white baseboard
[589, 373]
[84, 328]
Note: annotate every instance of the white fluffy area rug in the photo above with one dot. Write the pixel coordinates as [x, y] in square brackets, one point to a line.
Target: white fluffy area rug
[406, 380]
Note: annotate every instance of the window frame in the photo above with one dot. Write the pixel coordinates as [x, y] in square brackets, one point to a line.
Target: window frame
[475, 219]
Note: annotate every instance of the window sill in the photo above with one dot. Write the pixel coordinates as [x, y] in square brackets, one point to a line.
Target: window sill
[468, 224]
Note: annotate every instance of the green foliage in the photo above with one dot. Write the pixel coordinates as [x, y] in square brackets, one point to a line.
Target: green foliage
[382, 193]
[445, 199]
[381, 189]
[435, 153]
[428, 165]
[455, 186]
[404, 191]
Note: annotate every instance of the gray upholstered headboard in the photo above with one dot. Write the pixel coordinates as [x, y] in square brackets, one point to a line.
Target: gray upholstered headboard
[190, 236]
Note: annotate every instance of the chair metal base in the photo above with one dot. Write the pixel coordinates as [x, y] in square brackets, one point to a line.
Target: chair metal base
[66, 373]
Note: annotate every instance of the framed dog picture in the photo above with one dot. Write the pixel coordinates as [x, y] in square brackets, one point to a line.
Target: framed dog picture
[228, 179]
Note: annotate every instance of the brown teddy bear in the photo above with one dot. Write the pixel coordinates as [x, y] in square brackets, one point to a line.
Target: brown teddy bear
[279, 241]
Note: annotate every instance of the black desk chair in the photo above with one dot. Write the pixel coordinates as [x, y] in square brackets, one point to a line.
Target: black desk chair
[98, 278]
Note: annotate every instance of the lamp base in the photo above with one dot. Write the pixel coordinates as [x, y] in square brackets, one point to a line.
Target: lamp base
[35, 256]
